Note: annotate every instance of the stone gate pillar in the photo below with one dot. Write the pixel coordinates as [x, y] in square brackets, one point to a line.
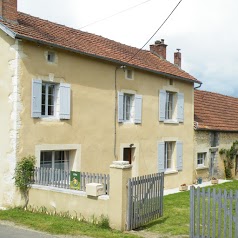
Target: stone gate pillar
[120, 172]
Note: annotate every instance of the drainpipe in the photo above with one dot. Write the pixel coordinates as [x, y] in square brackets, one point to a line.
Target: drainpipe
[115, 112]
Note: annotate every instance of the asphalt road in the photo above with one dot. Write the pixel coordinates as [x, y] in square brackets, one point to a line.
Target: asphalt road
[9, 231]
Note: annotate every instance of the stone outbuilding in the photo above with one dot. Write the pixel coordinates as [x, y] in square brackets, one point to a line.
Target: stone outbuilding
[215, 128]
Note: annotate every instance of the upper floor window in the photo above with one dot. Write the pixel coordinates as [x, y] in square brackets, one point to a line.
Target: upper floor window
[171, 106]
[129, 74]
[129, 107]
[51, 56]
[214, 138]
[50, 100]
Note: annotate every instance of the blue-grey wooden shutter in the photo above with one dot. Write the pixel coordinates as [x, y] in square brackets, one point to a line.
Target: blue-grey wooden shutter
[180, 106]
[120, 106]
[161, 157]
[179, 151]
[36, 98]
[138, 108]
[162, 103]
[64, 90]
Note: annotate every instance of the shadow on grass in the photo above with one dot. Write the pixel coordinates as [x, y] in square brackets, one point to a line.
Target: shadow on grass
[159, 221]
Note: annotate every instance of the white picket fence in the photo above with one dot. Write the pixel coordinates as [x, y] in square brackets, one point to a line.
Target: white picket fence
[61, 178]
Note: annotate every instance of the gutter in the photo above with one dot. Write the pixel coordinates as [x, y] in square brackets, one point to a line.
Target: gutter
[15, 35]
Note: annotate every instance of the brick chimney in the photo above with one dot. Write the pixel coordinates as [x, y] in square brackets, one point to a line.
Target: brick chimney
[8, 10]
[159, 49]
[177, 58]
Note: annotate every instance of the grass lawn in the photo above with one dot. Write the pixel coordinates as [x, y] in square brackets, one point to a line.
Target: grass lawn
[175, 220]
[59, 225]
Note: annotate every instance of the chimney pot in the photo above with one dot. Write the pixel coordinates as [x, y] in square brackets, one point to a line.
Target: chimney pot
[159, 49]
[177, 58]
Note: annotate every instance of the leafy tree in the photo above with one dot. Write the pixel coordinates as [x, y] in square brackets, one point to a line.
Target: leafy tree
[23, 176]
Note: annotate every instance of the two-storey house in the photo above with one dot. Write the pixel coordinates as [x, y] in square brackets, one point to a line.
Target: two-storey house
[78, 101]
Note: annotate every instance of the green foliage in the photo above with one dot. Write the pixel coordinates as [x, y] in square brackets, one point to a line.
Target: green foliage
[23, 175]
[229, 158]
[61, 225]
[104, 222]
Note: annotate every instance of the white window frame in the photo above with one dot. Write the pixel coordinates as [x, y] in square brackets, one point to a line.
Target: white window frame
[131, 109]
[202, 159]
[169, 105]
[74, 153]
[47, 85]
[169, 155]
[53, 159]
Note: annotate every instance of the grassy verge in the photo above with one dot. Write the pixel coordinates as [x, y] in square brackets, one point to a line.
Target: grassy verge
[59, 225]
[175, 220]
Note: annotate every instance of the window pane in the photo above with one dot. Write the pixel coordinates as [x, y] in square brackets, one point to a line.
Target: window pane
[61, 160]
[46, 159]
[51, 89]
[43, 110]
[50, 110]
[169, 105]
[128, 104]
[168, 155]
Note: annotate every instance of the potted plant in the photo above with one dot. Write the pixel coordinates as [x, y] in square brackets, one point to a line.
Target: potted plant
[199, 180]
[183, 187]
[214, 180]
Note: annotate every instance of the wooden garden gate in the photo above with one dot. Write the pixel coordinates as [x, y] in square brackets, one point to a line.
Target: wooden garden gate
[145, 199]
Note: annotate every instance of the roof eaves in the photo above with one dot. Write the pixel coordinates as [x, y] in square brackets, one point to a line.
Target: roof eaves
[14, 35]
[8, 31]
[107, 59]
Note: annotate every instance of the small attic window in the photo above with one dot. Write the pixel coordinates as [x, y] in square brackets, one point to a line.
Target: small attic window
[171, 81]
[129, 74]
[51, 56]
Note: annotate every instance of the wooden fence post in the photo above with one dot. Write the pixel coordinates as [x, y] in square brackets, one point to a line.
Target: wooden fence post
[192, 213]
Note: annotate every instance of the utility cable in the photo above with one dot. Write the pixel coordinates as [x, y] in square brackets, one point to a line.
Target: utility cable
[155, 32]
[105, 18]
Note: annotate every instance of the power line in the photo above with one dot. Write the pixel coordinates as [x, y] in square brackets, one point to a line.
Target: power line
[155, 32]
[105, 18]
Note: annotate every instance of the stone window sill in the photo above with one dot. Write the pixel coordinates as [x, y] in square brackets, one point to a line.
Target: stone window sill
[202, 167]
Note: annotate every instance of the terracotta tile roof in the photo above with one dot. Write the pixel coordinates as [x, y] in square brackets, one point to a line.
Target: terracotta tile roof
[213, 111]
[36, 29]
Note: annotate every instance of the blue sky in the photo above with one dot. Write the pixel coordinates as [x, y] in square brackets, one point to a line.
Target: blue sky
[205, 30]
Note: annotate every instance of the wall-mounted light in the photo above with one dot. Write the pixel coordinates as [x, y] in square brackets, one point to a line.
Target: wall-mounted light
[131, 145]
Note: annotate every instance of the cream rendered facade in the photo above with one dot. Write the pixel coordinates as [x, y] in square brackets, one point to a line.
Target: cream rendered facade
[89, 133]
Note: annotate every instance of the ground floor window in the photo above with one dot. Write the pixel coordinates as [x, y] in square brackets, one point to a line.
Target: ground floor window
[55, 159]
[168, 155]
[201, 157]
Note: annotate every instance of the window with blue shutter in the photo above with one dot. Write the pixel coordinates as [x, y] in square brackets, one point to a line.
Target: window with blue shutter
[161, 146]
[162, 103]
[129, 107]
[64, 90]
[138, 108]
[36, 98]
[179, 150]
[180, 107]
